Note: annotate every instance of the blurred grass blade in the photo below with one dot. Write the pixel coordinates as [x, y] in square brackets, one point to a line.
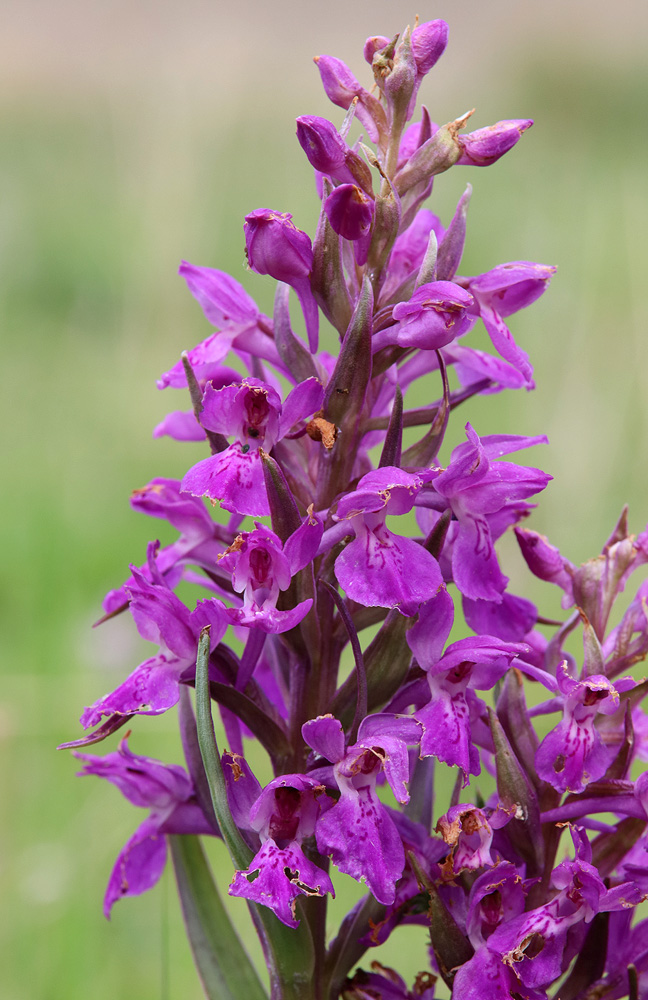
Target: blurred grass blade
[223, 965]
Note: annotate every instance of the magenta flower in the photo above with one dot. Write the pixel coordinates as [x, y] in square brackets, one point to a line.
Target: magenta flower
[341, 87]
[240, 326]
[358, 675]
[325, 148]
[358, 832]
[545, 561]
[198, 544]
[466, 665]
[252, 413]
[261, 568]
[166, 790]
[379, 567]
[160, 617]
[533, 943]
[429, 41]
[350, 212]
[477, 490]
[469, 832]
[573, 754]
[504, 291]
[409, 250]
[284, 814]
[438, 313]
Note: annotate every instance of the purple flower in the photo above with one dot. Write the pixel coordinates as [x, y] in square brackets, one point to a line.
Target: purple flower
[486, 975]
[503, 291]
[469, 832]
[283, 815]
[379, 567]
[198, 543]
[166, 790]
[409, 250]
[573, 754]
[276, 247]
[478, 489]
[472, 366]
[533, 943]
[545, 561]
[429, 42]
[261, 567]
[477, 662]
[341, 87]
[510, 619]
[241, 327]
[252, 413]
[325, 148]
[496, 895]
[436, 314]
[385, 984]
[358, 832]
[160, 617]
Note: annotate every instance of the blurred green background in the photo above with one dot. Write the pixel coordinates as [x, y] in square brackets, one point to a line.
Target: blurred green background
[136, 134]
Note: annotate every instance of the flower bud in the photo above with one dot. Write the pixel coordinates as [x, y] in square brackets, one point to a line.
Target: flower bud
[486, 145]
[349, 211]
[428, 44]
[544, 559]
[324, 146]
[373, 45]
[399, 85]
[341, 87]
[275, 246]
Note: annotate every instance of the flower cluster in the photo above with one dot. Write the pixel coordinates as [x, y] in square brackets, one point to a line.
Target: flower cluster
[537, 885]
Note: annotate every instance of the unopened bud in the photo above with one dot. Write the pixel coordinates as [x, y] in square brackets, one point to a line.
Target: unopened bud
[486, 145]
[341, 87]
[429, 41]
[275, 246]
[399, 84]
[324, 146]
[373, 45]
[349, 211]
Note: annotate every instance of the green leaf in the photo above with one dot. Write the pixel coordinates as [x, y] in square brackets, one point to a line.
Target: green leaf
[223, 965]
[290, 953]
[239, 851]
